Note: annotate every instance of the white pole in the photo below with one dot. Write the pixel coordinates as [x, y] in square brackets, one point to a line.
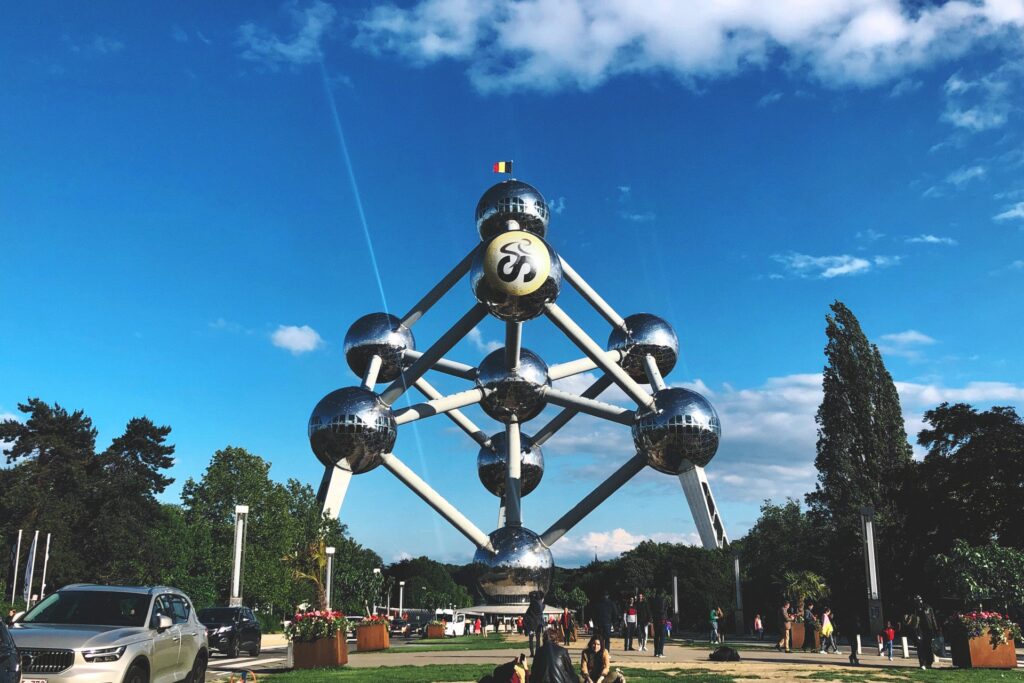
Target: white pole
[30, 570]
[401, 598]
[241, 514]
[46, 561]
[17, 561]
[330, 572]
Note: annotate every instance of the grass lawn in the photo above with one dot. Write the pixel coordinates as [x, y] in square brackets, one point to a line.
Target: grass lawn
[491, 642]
[438, 673]
[930, 676]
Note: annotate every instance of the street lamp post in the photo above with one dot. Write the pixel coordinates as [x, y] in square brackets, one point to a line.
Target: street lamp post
[376, 595]
[867, 518]
[241, 529]
[401, 598]
[330, 572]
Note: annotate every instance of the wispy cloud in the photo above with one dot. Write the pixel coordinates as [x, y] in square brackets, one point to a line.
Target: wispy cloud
[905, 86]
[309, 25]
[932, 239]
[906, 344]
[869, 235]
[638, 217]
[578, 549]
[979, 104]
[557, 206]
[178, 34]
[476, 338]
[962, 176]
[97, 45]
[584, 44]
[296, 339]
[1015, 212]
[827, 267]
[769, 99]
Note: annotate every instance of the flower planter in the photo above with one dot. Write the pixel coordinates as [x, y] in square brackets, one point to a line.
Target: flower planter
[978, 653]
[318, 654]
[797, 634]
[435, 631]
[372, 637]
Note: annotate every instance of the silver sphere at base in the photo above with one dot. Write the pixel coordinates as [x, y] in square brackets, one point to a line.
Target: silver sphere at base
[514, 275]
[521, 565]
[507, 394]
[681, 431]
[648, 335]
[380, 334]
[492, 465]
[352, 424]
[511, 200]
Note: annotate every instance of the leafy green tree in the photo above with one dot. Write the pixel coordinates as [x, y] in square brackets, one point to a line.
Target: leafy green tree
[863, 458]
[984, 574]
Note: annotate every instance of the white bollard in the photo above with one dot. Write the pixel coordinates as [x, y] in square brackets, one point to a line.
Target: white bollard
[859, 652]
[906, 648]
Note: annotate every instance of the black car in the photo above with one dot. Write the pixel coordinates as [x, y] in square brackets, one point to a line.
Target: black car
[10, 663]
[232, 630]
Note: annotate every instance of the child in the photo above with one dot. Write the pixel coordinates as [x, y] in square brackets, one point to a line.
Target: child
[890, 635]
[758, 627]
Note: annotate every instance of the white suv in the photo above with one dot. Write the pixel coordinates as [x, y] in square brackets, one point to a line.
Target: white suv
[112, 634]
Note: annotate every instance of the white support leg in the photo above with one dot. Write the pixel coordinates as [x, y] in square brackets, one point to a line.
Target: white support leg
[333, 487]
[702, 506]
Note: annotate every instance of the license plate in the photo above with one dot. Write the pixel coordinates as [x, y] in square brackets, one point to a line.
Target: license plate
[34, 680]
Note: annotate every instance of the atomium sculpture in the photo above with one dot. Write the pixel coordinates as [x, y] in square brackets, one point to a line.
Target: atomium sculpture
[516, 277]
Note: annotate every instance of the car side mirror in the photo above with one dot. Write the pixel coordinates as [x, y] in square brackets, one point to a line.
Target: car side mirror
[163, 622]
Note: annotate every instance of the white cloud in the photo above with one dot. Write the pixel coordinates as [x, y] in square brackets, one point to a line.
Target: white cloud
[982, 104]
[904, 87]
[1017, 265]
[1015, 211]
[296, 339]
[932, 239]
[309, 24]
[962, 176]
[550, 44]
[572, 549]
[476, 338]
[638, 217]
[769, 99]
[827, 267]
[869, 235]
[908, 337]
[557, 206]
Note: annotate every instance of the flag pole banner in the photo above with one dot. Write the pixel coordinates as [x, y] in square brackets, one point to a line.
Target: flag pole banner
[29, 567]
[502, 166]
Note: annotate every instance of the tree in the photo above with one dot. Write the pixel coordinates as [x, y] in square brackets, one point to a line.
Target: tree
[988, 573]
[863, 458]
[804, 585]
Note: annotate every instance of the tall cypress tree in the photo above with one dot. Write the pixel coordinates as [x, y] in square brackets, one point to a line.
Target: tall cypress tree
[862, 459]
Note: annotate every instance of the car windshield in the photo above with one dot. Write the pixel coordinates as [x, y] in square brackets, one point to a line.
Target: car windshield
[217, 615]
[91, 608]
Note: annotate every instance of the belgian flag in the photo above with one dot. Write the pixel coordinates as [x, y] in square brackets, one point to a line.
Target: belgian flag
[503, 167]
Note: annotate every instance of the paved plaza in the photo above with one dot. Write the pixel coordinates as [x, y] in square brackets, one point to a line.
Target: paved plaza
[759, 660]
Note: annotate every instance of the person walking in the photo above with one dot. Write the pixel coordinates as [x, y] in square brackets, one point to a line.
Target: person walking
[889, 635]
[786, 624]
[826, 632]
[604, 613]
[565, 624]
[643, 620]
[629, 619]
[809, 627]
[533, 620]
[758, 627]
[659, 622]
[925, 630]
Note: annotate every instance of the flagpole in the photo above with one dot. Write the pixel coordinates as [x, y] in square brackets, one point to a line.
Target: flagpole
[17, 561]
[46, 561]
[30, 566]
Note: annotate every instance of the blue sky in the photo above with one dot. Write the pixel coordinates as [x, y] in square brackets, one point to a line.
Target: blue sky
[182, 237]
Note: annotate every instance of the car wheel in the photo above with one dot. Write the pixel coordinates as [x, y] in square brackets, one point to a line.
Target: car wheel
[198, 672]
[232, 650]
[255, 651]
[136, 674]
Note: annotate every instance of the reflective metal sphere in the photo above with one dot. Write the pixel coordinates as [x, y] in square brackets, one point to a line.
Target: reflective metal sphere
[507, 394]
[515, 274]
[648, 334]
[381, 334]
[492, 464]
[682, 431]
[352, 424]
[521, 566]
[511, 200]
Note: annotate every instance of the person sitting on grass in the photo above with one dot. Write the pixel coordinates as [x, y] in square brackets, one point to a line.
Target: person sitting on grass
[509, 672]
[552, 663]
[595, 665]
